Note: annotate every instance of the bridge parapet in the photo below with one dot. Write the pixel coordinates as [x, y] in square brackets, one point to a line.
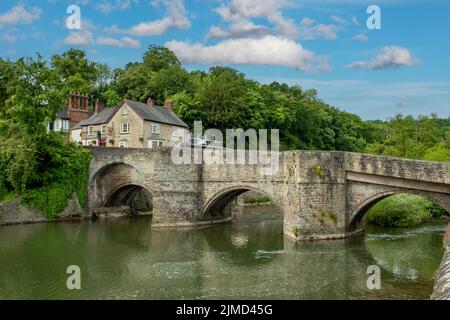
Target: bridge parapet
[435, 172]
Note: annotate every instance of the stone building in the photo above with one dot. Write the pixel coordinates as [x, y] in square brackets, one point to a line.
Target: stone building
[132, 124]
[77, 110]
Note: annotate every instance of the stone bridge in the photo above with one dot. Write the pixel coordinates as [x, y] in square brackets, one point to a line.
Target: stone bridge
[321, 194]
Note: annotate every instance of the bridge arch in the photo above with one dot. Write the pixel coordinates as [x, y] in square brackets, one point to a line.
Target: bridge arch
[217, 203]
[358, 213]
[114, 184]
[125, 194]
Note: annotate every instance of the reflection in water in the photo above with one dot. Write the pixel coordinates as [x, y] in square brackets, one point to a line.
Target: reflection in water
[125, 259]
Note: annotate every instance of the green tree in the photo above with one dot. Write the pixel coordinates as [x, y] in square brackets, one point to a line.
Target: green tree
[157, 58]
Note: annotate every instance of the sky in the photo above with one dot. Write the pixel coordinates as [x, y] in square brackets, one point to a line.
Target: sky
[402, 66]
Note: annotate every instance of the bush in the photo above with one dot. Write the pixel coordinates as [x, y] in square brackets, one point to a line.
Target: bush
[69, 178]
[258, 200]
[403, 210]
[47, 177]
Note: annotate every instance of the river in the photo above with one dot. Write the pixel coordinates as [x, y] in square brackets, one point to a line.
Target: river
[248, 259]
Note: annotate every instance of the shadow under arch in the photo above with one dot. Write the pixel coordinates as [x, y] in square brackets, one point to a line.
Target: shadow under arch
[124, 195]
[216, 206]
[117, 184]
[356, 219]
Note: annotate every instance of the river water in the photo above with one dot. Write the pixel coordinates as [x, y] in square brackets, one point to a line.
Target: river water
[248, 259]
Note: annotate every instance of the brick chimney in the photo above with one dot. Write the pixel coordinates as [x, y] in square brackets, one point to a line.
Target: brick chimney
[78, 101]
[169, 105]
[78, 107]
[150, 102]
[98, 106]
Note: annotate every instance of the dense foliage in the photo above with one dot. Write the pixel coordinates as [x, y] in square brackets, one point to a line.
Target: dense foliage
[46, 167]
[403, 210]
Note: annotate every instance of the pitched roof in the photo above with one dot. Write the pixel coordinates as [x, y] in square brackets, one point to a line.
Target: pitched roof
[64, 114]
[97, 118]
[155, 113]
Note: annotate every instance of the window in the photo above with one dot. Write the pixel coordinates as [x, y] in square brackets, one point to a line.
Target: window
[91, 131]
[65, 125]
[104, 129]
[125, 127]
[155, 128]
[123, 144]
[154, 143]
[125, 110]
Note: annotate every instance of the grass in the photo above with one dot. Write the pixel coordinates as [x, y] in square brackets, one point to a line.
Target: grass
[403, 210]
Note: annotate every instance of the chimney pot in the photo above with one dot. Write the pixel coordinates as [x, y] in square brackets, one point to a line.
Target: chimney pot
[98, 106]
[169, 105]
[150, 102]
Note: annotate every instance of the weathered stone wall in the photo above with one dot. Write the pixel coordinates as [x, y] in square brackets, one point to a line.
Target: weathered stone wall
[372, 178]
[362, 195]
[321, 194]
[136, 128]
[442, 277]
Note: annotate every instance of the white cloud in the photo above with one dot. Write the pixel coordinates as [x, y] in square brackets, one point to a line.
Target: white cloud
[83, 37]
[309, 31]
[283, 26]
[268, 50]
[120, 43]
[107, 7]
[390, 57]
[176, 18]
[240, 12]
[361, 37]
[20, 15]
[79, 38]
[242, 29]
[355, 21]
[339, 20]
[11, 38]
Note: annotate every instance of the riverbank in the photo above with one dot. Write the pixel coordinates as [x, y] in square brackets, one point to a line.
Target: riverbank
[404, 210]
[13, 212]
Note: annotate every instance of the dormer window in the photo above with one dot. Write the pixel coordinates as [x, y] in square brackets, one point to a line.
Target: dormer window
[125, 110]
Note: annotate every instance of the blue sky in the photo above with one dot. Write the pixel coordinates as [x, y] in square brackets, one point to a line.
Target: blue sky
[323, 44]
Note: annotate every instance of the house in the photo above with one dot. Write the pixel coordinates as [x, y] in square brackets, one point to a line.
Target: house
[132, 124]
[77, 110]
[97, 123]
